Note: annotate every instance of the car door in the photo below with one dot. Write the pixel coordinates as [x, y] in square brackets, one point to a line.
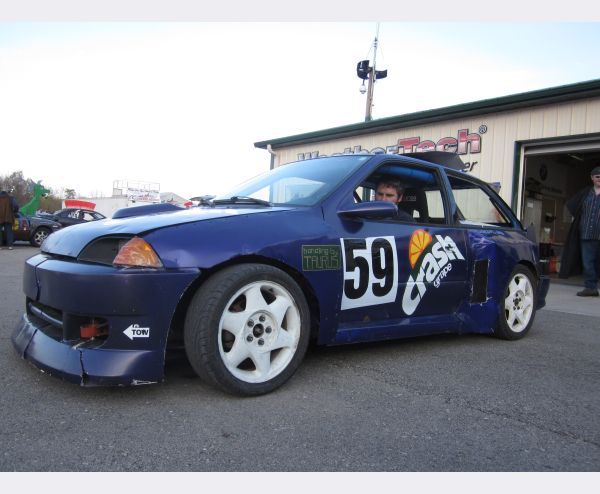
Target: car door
[402, 277]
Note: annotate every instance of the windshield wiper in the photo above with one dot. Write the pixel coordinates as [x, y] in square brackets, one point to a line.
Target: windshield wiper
[242, 200]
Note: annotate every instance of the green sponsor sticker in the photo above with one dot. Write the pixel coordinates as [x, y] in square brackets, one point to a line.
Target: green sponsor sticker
[320, 257]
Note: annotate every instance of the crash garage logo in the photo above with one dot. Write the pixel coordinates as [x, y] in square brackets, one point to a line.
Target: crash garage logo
[430, 260]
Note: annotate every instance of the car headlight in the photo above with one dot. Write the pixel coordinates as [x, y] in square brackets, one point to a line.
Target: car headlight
[137, 253]
[122, 252]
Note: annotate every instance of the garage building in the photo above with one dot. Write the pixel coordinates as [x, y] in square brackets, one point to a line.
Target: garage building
[537, 148]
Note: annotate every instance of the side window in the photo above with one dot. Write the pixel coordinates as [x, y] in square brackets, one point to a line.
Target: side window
[421, 200]
[475, 204]
[435, 205]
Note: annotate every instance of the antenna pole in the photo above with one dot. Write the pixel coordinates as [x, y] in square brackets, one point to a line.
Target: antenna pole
[372, 79]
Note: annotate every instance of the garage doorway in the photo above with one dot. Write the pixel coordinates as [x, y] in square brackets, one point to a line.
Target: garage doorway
[553, 173]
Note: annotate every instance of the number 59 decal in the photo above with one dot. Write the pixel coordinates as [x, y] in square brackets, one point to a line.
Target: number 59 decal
[370, 274]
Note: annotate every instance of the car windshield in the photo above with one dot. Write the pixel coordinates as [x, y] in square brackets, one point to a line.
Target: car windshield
[302, 183]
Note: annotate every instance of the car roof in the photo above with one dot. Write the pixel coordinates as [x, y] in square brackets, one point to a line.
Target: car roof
[78, 209]
[449, 162]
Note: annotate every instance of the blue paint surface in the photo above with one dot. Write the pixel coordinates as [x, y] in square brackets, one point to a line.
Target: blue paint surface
[365, 286]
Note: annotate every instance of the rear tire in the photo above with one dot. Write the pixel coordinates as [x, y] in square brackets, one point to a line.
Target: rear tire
[247, 329]
[517, 307]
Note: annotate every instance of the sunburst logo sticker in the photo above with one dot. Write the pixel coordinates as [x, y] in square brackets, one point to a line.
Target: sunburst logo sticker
[419, 241]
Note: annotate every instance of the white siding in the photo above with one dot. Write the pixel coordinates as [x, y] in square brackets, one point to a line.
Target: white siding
[495, 162]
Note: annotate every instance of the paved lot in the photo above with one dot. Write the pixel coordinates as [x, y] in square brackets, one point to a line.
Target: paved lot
[445, 403]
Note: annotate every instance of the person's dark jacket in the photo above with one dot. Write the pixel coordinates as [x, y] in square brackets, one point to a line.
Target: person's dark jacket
[8, 207]
[570, 263]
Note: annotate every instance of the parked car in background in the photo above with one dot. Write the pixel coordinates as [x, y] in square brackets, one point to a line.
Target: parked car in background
[34, 229]
[73, 216]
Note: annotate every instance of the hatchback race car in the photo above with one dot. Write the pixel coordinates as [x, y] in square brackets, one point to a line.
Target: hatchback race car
[302, 252]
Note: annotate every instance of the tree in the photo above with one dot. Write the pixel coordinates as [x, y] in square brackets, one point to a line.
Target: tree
[17, 186]
[50, 203]
[70, 194]
[21, 189]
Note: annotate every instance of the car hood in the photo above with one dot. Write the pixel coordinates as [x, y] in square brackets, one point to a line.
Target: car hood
[70, 241]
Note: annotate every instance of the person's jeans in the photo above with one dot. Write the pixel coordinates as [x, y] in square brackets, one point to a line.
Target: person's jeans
[7, 234]
[590, 255]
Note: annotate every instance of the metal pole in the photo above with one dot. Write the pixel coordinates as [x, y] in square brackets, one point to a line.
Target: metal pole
[368, 116]
[372, 79]
[375, 48]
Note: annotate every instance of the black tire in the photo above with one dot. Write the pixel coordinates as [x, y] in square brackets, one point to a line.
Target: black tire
[39, 235]
[517, 307]
[247, 329]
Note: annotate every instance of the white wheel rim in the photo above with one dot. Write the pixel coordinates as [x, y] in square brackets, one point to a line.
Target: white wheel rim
[518, 304]
[39, 237]
[259, 332]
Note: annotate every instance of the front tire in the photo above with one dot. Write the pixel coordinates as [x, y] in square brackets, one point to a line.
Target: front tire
[247, 329]
[38, 237]
[517, 307]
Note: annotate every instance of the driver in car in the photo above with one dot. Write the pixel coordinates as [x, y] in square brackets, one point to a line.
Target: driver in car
[392, 191]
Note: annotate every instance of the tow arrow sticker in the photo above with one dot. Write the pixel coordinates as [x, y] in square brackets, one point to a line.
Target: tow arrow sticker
[134, 331]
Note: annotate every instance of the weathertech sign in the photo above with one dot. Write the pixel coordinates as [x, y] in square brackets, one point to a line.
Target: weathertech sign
[465, 142]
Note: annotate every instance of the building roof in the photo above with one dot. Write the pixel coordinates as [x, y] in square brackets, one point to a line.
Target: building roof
[551, 95]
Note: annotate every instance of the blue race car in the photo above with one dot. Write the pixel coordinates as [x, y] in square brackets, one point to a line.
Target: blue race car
[303, 252]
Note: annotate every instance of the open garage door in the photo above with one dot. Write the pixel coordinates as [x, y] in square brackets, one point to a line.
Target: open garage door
[553, 173]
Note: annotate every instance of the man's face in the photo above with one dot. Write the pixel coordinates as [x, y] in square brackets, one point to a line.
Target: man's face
[387, 194]
[596, 181]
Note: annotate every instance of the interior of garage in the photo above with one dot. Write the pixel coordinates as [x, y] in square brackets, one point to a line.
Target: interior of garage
[550, 180]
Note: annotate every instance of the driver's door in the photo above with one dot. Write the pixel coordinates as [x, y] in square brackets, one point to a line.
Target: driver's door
[399, 273]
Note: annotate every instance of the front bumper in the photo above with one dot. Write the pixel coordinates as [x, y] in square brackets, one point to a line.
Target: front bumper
[86, 366]
[61, 295]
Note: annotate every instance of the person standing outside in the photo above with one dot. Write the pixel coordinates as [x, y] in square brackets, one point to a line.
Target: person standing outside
[8, 208]
[585, 208]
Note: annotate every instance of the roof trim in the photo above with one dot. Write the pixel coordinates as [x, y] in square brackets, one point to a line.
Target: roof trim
[558, 94]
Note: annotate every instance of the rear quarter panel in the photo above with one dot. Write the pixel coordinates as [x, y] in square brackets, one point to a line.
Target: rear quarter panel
[503, 250]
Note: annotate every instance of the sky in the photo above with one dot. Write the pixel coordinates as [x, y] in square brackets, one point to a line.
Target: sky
[83, 104]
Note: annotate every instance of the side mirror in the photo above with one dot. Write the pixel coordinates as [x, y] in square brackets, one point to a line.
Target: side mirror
[373, 210]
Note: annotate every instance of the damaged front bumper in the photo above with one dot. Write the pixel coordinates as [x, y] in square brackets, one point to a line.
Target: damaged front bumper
[86, 366]
[132, 308]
